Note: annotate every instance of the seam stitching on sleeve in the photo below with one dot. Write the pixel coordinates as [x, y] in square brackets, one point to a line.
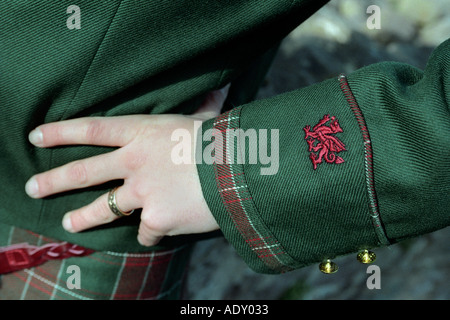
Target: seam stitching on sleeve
[368, 161]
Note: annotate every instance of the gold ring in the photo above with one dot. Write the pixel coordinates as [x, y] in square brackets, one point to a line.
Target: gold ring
[113, 204]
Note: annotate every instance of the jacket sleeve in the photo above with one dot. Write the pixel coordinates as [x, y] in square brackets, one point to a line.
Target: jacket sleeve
[351, 163]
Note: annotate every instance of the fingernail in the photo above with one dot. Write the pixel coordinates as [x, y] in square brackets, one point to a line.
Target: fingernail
[36, 137]
[32, 187]
[67, 222]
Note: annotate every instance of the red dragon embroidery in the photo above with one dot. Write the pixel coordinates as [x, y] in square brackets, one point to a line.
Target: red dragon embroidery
[327, 144]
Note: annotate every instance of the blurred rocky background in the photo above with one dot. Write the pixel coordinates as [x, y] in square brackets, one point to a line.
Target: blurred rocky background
[335, 40]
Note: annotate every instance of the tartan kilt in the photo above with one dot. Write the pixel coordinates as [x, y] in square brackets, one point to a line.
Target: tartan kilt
[157, 275]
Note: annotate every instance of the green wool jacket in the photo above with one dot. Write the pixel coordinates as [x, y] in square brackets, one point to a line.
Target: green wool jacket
[354, 162]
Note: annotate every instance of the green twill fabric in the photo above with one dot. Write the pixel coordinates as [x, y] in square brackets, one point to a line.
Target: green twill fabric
[128, 57]
[102, 275]
[358, 162]
[363, 162]
[407, 112]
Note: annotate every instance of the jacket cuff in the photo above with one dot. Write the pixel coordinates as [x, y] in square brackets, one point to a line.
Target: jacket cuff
[226, 191]
[356, 163]
[308, 207]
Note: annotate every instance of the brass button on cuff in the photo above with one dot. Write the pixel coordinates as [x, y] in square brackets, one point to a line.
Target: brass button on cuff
[328, 267]
[366, 256]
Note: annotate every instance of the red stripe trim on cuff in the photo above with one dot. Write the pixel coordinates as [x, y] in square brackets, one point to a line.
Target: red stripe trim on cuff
[368, 161]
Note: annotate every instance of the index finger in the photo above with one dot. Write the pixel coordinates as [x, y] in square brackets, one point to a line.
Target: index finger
[100, 131]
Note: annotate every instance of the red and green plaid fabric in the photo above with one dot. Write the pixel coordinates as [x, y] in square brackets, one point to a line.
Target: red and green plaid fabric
[101, 275]
[236, 197]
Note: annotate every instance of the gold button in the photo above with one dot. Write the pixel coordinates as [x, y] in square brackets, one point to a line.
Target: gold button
[366, 256]
[328, 267]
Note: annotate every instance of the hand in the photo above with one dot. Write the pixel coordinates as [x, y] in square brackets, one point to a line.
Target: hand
[169, 194]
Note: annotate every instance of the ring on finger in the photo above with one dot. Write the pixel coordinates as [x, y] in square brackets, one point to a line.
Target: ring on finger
[112, 203]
